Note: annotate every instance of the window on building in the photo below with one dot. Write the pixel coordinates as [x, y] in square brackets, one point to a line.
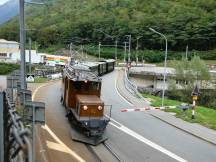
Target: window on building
[3, 54]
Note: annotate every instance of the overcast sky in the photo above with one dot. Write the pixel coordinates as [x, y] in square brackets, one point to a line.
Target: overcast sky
[3, 1]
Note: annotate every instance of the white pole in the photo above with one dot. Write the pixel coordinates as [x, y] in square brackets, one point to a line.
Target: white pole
[129, 50]
[71, 49]
[99, 50]
[125, 51]
[186, 52]
[116, 44]
[137, 50]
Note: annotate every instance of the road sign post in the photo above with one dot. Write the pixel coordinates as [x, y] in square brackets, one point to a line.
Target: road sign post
[195, 93]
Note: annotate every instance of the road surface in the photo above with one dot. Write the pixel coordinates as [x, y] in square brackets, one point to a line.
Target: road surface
[134, 136]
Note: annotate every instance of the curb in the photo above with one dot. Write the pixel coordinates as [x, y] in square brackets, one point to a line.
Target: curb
[193, 134]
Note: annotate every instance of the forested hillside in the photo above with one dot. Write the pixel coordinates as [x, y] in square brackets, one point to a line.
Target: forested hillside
[191, 22]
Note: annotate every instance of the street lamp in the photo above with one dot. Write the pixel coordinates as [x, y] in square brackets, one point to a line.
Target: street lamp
[165, 63]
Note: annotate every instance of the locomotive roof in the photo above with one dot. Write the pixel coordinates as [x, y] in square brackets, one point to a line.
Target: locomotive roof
[80, 72]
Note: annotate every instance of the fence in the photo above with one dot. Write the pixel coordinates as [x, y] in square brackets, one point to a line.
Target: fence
[131, 87]
[15, 145]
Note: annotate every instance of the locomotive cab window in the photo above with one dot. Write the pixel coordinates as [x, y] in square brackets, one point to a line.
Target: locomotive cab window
[95, 85]
[77, 85]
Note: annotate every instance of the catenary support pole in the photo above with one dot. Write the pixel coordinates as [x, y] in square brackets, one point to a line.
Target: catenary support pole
[116, 45]
[30, 43]
[99, 50]
[22, 45]
[125, 51]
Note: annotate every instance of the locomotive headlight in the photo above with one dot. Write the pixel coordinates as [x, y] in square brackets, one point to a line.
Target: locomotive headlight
[85, 107]
[100, 107]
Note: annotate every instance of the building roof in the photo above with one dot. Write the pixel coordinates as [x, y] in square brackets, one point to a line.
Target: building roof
[156, 71]
[8, 42]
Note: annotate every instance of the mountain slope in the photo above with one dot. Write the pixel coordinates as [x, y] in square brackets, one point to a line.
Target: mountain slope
[9, 10]
[185, 22]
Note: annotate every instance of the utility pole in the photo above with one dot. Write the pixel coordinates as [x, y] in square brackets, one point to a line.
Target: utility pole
[30, 43]
[116, 45]
[71, 49]
[125, 51]
[99, 46]
[129, 49]
[137, 50]
[186, 54]
[82, 51]
[22, 45]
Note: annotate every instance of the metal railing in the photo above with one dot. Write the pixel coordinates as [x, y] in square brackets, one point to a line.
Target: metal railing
[15, 143]
[131, 87]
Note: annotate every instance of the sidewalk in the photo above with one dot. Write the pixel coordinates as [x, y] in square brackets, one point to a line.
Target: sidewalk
[197, 130]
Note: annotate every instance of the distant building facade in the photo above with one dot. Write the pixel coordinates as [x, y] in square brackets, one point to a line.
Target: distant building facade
[7, 48]
[152, 77]
[10, 53]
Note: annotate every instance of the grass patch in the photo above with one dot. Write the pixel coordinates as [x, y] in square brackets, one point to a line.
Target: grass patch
[204, 116]
[40, 80]
[6, 68]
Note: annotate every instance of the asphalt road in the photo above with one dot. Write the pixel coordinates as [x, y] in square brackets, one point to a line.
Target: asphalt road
[185, 146]
[134, 136]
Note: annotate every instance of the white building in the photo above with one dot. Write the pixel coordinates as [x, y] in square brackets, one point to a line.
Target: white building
[10, 53]
[7, 48]
[35, 57]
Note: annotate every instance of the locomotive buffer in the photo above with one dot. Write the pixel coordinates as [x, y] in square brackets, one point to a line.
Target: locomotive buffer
[81, 90]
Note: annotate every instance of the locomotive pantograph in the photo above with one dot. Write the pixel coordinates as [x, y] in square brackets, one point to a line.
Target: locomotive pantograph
[81, 90]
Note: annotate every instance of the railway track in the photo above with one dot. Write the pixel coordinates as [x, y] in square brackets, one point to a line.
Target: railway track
[100, 156]
[106, 145]
[92, 151]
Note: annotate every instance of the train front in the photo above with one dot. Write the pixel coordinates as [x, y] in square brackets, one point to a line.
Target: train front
[90, 110]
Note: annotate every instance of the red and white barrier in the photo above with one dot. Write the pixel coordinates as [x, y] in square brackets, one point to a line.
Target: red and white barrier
[147, 108]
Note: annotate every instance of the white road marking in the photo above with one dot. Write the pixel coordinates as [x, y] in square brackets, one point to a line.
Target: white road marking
[146, 141]
[139, 137]
[121, 95]
[68, 150]
[64, 147]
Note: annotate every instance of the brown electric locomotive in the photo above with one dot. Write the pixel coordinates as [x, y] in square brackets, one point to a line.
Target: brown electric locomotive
[81, 90]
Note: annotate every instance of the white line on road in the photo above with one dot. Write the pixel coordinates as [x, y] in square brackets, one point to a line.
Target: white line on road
[121, 95]
[141, 138]
[53, 135]
[146, 141]
[62, 144]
